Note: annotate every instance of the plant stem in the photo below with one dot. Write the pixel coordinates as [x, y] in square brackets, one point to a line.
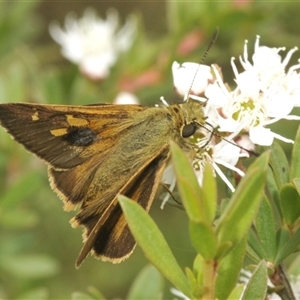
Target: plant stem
[209, 278]
[279, 278]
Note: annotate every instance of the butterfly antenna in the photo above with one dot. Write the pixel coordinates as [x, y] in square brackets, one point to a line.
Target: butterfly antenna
[213, 133]
[213, 40]
[179, 204]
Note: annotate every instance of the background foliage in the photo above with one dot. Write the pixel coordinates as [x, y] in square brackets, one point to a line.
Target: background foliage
[38, 247]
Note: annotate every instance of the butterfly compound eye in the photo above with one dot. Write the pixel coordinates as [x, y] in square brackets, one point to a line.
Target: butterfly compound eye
[188, 130]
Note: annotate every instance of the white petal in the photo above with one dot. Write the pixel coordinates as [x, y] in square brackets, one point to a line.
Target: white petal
[190, 77]
[249, 84]
[215, 95]
[280, 105]
[227, 152]
[212, 115]
[229, 124]
[261, 136]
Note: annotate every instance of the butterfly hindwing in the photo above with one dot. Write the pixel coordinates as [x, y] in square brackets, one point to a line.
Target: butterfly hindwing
[107, 234]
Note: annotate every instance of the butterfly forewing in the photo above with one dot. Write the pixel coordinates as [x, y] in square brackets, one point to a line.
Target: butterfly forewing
[95, 153]
[66, 136]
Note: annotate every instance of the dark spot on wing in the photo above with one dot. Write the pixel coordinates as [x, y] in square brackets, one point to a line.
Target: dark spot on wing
[80, 136]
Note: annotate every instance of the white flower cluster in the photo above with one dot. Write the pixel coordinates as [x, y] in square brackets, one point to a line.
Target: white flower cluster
[92, 43]
[265, 93]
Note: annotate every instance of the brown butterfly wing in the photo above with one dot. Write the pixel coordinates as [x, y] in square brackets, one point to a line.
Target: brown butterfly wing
[93, 155]
[74, 139]
[107, 234]
[66, 136]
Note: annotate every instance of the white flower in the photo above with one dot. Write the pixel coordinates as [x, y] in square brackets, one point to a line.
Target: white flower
[190, 78]
[225, 153]
[126, 98]
[92, 43]
[255, 103]
[268, 64]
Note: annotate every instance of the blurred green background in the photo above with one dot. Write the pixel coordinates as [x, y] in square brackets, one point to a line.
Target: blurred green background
[38, 247]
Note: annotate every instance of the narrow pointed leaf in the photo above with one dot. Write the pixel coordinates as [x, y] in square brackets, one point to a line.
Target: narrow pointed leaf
[196, 288]
[209, 192]
[257, 285]
[223, 250]
[283, 235]
[229, 270]
[296, 182]
[279, 165]
[203, 239]
[237, 292]
[188, 186]
[152, 242]
[295, 163]
[254, 247]
[289, 247]
[266, 229]
[198, 269]
[290, 203]
[273, 190]
[238, 215]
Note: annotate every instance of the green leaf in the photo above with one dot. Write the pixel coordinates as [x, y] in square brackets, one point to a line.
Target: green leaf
[148, 285]
[152, 242]
[279, 165]
[209, 192]
[283, 235]
[237, 292]
[266, 229]
[188, 187]
[257, 286]
[290, 203]
[229, 270]
[240, 212]
[254, 248]
[196, 287]
[198, 269]
[223, 250]
[191, 276]
[273, 190]
[203, 239]
[296, 182]
[295, 161]
[289, 247]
